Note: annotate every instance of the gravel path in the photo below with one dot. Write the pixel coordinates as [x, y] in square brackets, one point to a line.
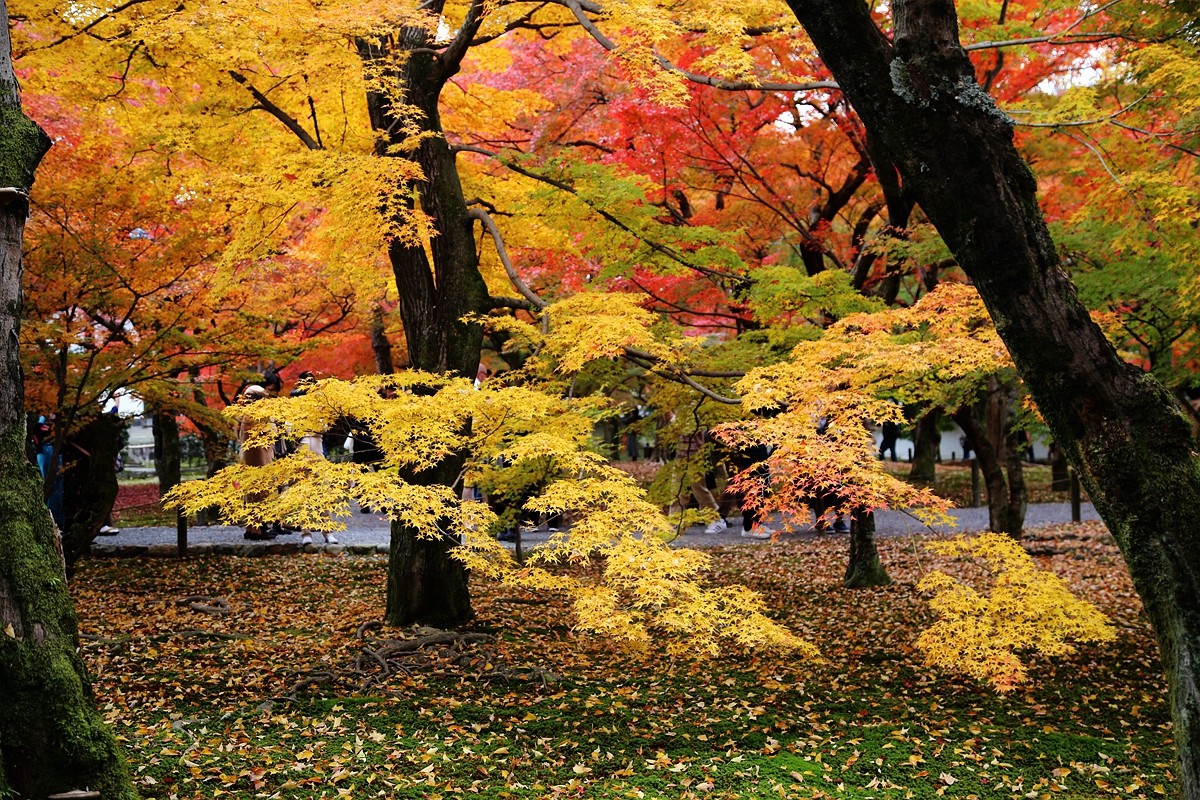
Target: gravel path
[367, 533]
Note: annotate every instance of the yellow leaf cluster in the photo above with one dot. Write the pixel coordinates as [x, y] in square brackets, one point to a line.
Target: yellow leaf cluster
[644, 590]
[600, 325]
[1028, 610]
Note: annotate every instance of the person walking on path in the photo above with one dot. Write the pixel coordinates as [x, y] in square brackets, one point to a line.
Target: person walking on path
[691, 448]
[254, 456]
[890, 434]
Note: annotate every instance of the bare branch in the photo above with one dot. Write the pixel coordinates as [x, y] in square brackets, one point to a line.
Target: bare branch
[275, 111]
[453, 54]
[658, 247]
[515, 303]
[490, 225]
[649, 361]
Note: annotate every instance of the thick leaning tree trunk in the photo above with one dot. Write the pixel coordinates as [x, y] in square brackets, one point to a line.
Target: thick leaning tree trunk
[1120, 428]
[426, 584]
[51, 738]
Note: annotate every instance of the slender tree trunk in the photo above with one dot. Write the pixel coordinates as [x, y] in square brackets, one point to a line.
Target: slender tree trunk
[927, 440]
[167, 462]
[999, 458]
[1121, 429]
[990, 459]
[865, 568]
[380, 345]
[51, 738]
[425, 583]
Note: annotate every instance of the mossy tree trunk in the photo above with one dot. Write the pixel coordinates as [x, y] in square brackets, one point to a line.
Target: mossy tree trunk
[438, 283]
[1123, 431]
[865, 567]
[51, 738]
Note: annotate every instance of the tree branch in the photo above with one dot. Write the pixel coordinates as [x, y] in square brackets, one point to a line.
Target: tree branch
[658, 247]
[275, 111]
[490, 225]
[452, 57]
[577, 9]
[515, 303]
[1083, 122]
[649, 361]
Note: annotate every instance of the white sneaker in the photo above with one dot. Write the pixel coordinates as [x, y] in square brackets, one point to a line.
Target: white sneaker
[760, 532]
[305, 538]
[330, 539]
[716, 527]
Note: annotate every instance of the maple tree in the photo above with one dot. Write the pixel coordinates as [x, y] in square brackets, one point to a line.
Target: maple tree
[397, 180]
[124, 296]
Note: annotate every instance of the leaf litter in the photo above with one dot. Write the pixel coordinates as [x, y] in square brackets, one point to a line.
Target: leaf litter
[521, 705]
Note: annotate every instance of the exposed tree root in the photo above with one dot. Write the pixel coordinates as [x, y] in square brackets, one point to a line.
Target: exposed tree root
[432, 652]
[213, 606]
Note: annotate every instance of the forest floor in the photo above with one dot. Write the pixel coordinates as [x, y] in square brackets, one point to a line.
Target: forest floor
[287, 689]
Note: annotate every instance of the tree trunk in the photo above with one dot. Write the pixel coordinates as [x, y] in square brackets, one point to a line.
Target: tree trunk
[1060, 473]
[51, 738]
[432, 587]
[1120, 428]
[380, 345]
[927, 441]
[89, 484]
[166, 450]
[865, 568]
[425, 583]
[999, 459]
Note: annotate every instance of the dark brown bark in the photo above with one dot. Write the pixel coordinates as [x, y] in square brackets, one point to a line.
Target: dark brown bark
[433, 588]
[425, 584]
[51, 738]
[89, 484]
[380, 346]
[167, 459]
[1060, 473]
[1120, 428]
[999, 458]
[864, 568]
[927, 440]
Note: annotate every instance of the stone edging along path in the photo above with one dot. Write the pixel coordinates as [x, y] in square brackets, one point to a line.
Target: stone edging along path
[249, 549]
